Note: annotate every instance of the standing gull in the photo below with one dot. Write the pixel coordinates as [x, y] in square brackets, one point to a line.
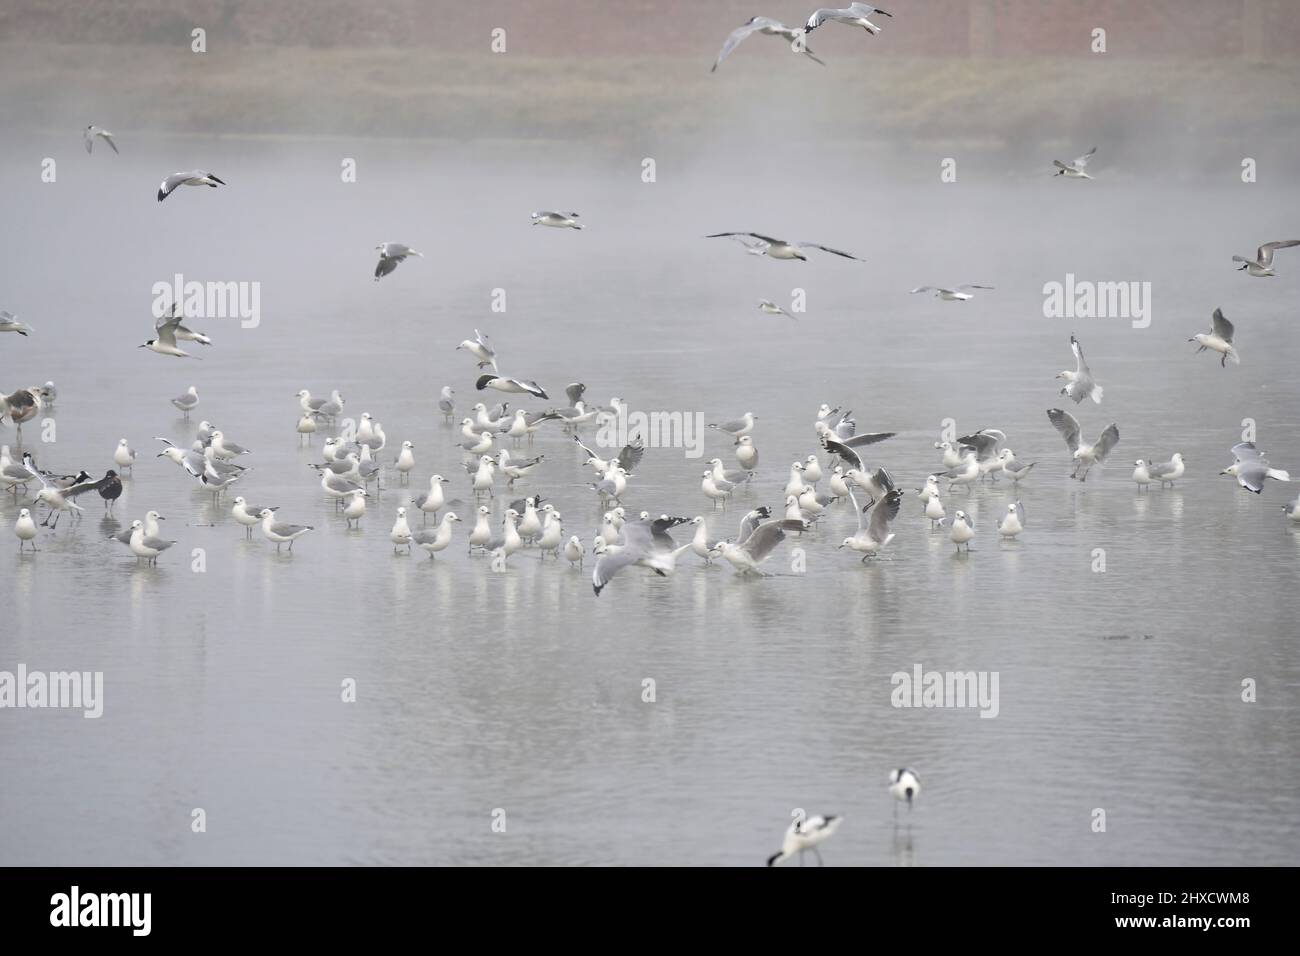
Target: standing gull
[1013, 522]
[738, 426]
[25, 530]
[187, 401]
[904, 785]
[1169, 471]
[280, 532]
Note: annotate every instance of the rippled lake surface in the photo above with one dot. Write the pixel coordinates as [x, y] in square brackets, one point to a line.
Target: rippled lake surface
[521, 691]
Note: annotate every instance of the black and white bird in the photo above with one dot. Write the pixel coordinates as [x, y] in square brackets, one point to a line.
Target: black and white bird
[1084, 455]
[803, 835]
[390, 254]
[904, 786]
[92, 133]
[1080, 384]
[9, 323]
[764, 26]
[1076, 168]
[854, 15]
[165, 343]
[511, 386]
[1218, 339]
[192, 177]
[1251, 468]
[1262, 265]
[782, 249]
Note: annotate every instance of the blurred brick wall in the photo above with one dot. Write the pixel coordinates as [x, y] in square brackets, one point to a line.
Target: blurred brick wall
[1135, 28]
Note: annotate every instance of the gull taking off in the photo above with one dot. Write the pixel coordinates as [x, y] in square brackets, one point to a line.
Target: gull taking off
[1250, 468]
[193, 177]
[92, 133]
[1085, 455]
[1262, 265]
[1218, 339]
[873, 533]
[951, 295]
[1076, 168]
[1080, 384]
[781, 249]
[390, 254]
[557, 220]
[805, 835]
[765, 26]
[479, 348]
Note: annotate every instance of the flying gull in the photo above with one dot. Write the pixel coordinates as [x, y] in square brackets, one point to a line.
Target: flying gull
[1250, 468]
[951, 295]
[1218, 339]
[193, 177]
[854, 15]
[92, 133]
[1076, 168]
[390, 254]
[781, 249]
[765, 26]
[1262, 265]
[1080, 383]
[1085, 455]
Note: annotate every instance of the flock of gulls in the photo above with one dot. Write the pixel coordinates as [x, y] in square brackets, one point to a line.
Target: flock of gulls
[357, 464]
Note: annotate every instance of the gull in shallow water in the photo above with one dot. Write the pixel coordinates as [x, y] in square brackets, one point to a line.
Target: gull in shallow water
[187, 401]
[645, 542]
[1251, 468]
[390, 254]
[963, 530]
[873, 532]
[1262, 265]
[1218, 339]
[1013, 522]
[1080, 384]
[557, 220]
[92, 133]
[805, 835]
[957, 294]
[781, 249]
[1085, 455]
[757, 547]
[1076, 168]
[9, 323]
[1291, 510]
[193, 177]
[280, 532]
[765, 26]
[146, 546]
[854, 15]
[1013, 467]
[1168, 472]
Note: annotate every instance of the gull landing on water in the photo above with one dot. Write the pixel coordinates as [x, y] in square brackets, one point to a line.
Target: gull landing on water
[92, 133]
[779, 248]
[1080, 383]
[1262, 265]
[193, 177]
[767, 27]
[854, 15]
[1084, 454]
[950, 295]
[390, 254]
[1218, 339]
[1076, 168]
[557, 220]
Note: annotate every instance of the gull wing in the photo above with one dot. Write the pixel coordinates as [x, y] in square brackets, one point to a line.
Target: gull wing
[1108, 440]
[1067, 425]
[1221, 326]
[883, 513]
